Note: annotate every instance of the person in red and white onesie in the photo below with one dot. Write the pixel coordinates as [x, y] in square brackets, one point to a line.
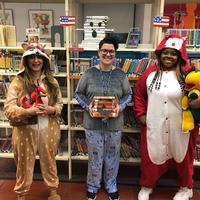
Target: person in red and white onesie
[157, 105]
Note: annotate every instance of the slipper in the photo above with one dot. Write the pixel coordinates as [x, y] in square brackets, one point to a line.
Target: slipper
[54, 197]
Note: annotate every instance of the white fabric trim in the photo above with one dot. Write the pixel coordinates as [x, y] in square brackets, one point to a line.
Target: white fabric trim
[34, 51]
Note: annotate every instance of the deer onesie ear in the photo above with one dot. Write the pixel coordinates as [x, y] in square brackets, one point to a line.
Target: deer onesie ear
[25, 46]
[47, 51]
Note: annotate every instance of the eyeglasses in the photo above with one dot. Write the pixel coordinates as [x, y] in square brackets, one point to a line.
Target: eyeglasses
[106, 51]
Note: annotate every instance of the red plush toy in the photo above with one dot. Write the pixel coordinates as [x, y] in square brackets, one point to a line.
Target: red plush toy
[35, 98]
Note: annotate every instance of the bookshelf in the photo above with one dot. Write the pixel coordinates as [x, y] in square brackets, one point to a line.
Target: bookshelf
[73, 38]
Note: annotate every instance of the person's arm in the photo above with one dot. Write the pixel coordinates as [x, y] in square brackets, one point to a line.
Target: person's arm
[12, 107]
[140, 100]
[80, 93]
[141, 97]
[59, 104]
[127, 95]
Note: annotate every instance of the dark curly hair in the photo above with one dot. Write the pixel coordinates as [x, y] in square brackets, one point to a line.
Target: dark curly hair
[109, 40]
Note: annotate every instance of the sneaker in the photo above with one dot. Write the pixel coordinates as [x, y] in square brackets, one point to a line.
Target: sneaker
[184, 193]
[144, 193]
[113, 196]
[91, 196]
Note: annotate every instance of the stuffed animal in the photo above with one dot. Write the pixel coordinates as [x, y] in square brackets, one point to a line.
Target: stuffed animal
[192, 91]
[35, 98]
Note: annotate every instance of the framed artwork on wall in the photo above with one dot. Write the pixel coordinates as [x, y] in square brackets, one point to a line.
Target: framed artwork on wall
[42, 19]
[8, 17]
[133, 40]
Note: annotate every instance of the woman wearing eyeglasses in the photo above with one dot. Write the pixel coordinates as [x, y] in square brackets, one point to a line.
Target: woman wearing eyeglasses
[103, 135]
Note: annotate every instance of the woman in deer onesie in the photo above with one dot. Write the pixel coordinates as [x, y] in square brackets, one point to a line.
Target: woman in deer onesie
[35, 122]
[157, 105]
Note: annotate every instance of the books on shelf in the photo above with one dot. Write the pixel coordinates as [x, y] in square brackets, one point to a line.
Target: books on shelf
[132, 67]
[77, 117]
[4, 84]
[5, 59]
[5, 140]
[198, 152]
[10, 61]
[6, 145]
[198, 149]
[79, 146]
[130, 119]
[79, 66]
[16, 63]
[135, 67]
[130, 146]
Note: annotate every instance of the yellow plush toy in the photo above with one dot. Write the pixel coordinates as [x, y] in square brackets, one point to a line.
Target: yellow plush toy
[192, 91]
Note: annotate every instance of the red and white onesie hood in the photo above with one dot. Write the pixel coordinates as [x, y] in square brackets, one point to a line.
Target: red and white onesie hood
[173, 41]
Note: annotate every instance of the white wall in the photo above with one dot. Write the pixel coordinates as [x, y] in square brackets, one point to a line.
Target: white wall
[144, 21]
[121, 14]
[139, 18]
[20, 14]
